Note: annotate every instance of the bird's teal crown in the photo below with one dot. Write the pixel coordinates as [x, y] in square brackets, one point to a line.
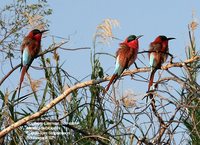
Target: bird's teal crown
[163, 37]
[131, 38]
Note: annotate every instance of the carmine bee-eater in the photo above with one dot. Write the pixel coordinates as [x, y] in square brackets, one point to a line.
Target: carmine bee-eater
[125, 57]
[158, 53]
[29, 50]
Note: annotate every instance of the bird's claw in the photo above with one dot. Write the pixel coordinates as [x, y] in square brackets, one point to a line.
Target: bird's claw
[136, 66]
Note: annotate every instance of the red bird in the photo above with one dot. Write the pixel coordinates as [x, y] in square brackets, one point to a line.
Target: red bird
[125, 57]
[29, 50]
[158, 53]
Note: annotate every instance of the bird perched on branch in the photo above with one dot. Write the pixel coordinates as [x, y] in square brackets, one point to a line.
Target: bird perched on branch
[125, 57]
[158, 53]
[29, 50]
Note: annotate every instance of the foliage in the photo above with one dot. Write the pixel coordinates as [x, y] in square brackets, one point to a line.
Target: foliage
[86, 115]
[191, 96]
[15, 18]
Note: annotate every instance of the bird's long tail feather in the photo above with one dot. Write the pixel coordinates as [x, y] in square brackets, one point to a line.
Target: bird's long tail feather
[113, 79]
[24, 68]
[151, 79]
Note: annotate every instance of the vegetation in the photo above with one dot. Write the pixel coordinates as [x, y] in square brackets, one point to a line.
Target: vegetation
[60, 109]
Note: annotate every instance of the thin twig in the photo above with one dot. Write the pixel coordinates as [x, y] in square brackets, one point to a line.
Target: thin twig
[9, 73]
[82, 85]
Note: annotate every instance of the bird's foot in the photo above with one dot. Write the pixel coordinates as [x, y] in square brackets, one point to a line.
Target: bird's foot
[136, 65]
[132, 76]
[171, 61]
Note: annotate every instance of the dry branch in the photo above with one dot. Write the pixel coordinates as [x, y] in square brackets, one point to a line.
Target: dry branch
[9, 73]
[40, 54]
[82, 85]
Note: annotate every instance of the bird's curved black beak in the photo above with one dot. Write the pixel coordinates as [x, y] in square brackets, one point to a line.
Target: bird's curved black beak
[139, 36]
[170, 38]
[43, 31]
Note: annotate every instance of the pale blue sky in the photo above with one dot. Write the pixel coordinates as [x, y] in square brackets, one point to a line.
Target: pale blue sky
[79, 18]
[149, 18]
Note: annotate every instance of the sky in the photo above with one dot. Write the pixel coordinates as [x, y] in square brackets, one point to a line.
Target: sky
[79, 19]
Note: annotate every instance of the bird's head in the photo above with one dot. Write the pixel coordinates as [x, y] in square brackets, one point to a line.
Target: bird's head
[132, 41]
[162, 38]
[36, 34]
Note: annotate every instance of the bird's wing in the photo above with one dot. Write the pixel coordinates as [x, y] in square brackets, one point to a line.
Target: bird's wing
[154, 55]
[27, 41]
[155, 47]
[27, 49]
[24, 45]
[27, 59]
[122, 60]
[131, 56]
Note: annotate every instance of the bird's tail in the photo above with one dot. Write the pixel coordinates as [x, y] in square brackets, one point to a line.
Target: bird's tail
[113, 79]
[24, 68]
[151, 79]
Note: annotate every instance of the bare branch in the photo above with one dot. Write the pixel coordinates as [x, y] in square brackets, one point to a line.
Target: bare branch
[85, 84]
[9, 73]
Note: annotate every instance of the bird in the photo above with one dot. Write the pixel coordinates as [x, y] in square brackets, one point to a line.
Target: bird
[125, 57]
[158, 53]
[30, 48]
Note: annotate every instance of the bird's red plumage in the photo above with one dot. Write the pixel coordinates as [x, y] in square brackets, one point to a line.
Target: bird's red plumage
[151, 79]
[159, 49]
[113, 79]
[32, 42]
[126, 56]
[24, 69]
